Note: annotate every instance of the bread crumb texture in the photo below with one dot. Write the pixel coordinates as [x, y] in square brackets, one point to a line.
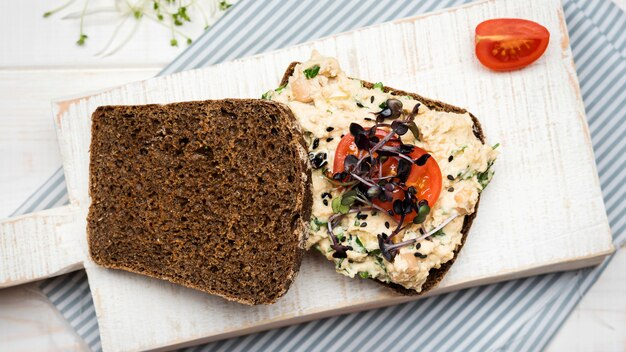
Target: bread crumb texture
[213, 195]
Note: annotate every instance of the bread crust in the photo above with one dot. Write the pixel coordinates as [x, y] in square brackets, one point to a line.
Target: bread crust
[435, 275]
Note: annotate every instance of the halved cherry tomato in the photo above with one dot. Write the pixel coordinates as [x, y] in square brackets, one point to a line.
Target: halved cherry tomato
[426, 179]
[347, 147]
[506, 44]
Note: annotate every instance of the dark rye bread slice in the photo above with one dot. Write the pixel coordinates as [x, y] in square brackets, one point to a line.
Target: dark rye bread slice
[435, 275]
[213, 195]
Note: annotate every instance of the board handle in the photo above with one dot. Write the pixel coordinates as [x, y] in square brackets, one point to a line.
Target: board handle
[40, 245]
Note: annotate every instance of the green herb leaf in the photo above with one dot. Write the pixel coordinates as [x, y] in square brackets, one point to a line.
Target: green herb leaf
[339, 208]
[320, 222]
[383, 105]
[174, 42]
[379, 85]
[317, 224]
[381, 265]
[267, 95]
[364, 274]
[349, 197]
[358, 245]
[280, 89]
[81, 39]
[182, 12]
[459, 150]
[375, 252]
[495, 146]
[137, 14]
[312, 71]
[224, 5]
[485, 177]
[176, 19]
[340, 235]
[422, 213]
[438, 233]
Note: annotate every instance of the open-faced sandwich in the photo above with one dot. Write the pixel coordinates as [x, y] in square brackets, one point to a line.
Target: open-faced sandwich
[397, 177]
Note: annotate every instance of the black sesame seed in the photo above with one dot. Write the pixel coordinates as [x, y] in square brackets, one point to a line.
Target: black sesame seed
[350, 261]
[326, 194]
[418, 246]
[450, 177]
[374, 213]
[450, 158]
[451, 189]
[325, 201]
[387, 224]
[316, 143]
[384, 236]
[329, 139]
[358, 103]
[363, 224]
[372, 99]
[421, 231]
[368, 119]
[330, 128]
[342, 135]
[420, 255]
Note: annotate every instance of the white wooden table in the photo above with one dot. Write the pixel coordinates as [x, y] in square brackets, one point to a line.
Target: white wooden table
[39, 62]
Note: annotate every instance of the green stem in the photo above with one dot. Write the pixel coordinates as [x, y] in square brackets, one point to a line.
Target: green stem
[81, 39]
[126, 40]
[53, 11]
[201, 9]
[115, 32]
[171, 26]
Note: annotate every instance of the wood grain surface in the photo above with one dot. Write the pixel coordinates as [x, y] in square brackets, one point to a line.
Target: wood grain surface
[590, 313]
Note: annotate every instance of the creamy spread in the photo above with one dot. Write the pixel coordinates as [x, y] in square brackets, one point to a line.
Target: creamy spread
[325, 102]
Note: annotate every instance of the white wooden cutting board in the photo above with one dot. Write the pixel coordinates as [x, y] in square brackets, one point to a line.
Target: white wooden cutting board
[543, 211]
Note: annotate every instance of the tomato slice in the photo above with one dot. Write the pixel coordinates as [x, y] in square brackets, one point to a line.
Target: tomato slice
[347, 147]
[426, 179]
[506, 44]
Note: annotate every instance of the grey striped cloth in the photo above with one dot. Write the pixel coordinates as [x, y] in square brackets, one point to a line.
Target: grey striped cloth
[520, 315]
